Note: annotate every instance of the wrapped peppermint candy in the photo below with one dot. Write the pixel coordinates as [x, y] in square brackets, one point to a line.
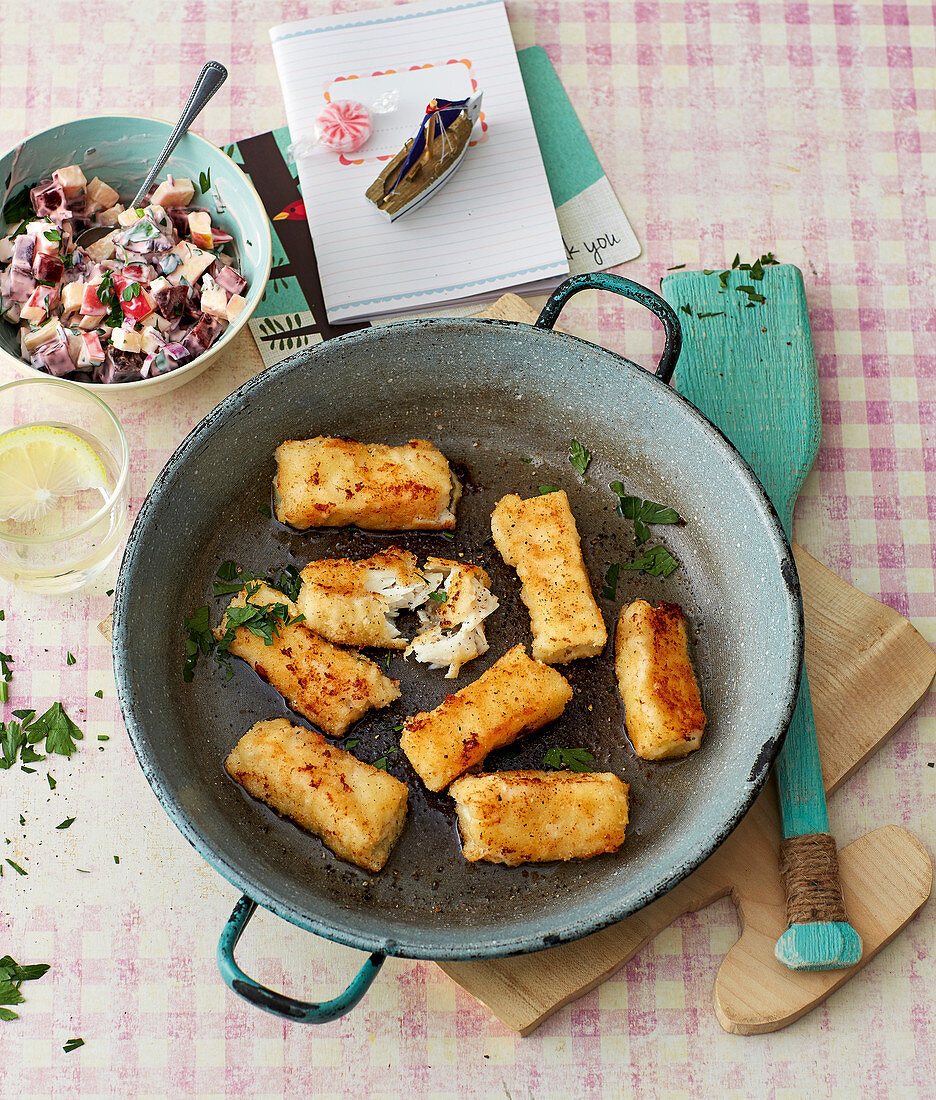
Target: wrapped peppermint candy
[343, 126]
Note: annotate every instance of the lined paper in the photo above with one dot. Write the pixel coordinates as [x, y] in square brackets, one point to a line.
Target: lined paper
[491, 228]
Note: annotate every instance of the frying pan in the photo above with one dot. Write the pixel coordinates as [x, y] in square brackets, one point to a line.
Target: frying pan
[503, 401]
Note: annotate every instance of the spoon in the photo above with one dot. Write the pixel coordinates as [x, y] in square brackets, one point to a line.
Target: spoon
[210, 79]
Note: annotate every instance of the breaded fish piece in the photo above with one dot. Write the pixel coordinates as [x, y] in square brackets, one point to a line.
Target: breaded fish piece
[326, 482]
[514, 696]
[453, 614]
[330, 686]
[662, 706]
[531, 816]
[357, 809]
[356, 602]
[538, 537]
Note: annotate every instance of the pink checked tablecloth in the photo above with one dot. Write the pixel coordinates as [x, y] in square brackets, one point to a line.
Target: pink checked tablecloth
[725, 126]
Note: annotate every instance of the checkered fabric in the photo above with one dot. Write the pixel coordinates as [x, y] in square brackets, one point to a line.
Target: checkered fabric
[725, 126]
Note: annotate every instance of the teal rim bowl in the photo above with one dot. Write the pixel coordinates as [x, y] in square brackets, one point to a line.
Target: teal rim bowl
[120, 149]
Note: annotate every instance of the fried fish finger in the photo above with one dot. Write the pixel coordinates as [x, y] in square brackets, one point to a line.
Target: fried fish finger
[538, 537]
[532, 816]
[662, 705]
[514, 696]
[357, 809]
[325, 482]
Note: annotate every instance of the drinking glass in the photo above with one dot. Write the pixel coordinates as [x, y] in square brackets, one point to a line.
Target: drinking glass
[64, 492]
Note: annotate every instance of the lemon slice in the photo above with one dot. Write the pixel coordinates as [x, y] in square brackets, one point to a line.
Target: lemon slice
[39, 466]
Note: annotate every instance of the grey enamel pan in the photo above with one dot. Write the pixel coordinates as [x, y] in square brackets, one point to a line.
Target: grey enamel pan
[503, 401]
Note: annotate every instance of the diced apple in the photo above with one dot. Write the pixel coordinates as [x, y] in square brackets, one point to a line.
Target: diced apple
[71, 179]
[100, 196]
[91, 351]
[91, 304]
[174, 192]
[235, 304]
[102, 249]
[200, 228]
[38, 304]
[129, 217]
[126, 339]
[214, 302]
[194, 264]
[150, 340]
[109, 216]
[148, 319]
[6, 249]
[48, 237]
[32, 338]
[87, 323]
[73, 296]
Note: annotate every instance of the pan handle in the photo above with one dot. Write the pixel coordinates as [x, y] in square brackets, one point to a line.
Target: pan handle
[602, 280]
[301, 1012]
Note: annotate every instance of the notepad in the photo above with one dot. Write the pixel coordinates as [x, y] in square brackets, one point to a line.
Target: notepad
[492, 227]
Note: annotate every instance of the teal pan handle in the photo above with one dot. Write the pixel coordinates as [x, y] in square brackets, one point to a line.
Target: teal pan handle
[300, 1012]
[601, 280]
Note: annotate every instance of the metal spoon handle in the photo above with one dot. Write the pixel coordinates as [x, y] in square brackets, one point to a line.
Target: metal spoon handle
[210, 79]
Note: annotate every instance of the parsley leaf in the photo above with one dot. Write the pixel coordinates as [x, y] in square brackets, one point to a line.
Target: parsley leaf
[52, 235]
[439, 597]
[204, 181]
[642, 512]
[579, 457]
[66, 824]
[544, 489]
[609, 591]
[657, 561]
[59, 731]
[576, 760]
[288, 581]
[199, 640]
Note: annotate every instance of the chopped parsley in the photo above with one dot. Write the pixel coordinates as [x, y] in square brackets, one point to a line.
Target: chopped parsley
[439, 597]
[657, 561]
[12, 976]
[130, 292]
[73, 1044]
[59, 731]
[66, 824]
[676, 267]
[580, 457]
[70, 658]
[544, 489]
[52, 235]
[642, 512]
[199, 639]
[575, 760]
[352, 744]
[204, 181]
[99, 694]
[264, 510]
[609, 591]
[6, 675]
[448, 534]
[16, 867]
[686, 308]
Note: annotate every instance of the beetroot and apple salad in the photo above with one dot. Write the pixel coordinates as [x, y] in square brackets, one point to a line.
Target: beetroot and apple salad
[153, 294]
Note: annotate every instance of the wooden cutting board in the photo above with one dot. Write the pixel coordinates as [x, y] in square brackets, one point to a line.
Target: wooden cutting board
[869, 670]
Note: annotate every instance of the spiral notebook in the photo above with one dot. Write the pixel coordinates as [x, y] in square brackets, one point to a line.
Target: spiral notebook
[493, 226]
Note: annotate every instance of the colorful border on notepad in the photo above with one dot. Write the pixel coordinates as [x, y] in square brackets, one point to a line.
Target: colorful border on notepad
[388, 19]
[504, 280]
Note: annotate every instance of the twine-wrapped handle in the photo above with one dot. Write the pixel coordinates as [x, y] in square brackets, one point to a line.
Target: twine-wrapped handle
[809, 872]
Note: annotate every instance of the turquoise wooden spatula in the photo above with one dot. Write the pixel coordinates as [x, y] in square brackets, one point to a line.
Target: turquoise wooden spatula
[747, 363]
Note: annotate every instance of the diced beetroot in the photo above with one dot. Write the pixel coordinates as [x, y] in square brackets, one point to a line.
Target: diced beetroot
[227, 276]
[21, 285]
[170, 302]
[218, 236]
[53, 358]
[48, 269]
[24, 250]
[179, 216]
[91, 304]
[203, 335]
[120, 366]
[48, 200]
